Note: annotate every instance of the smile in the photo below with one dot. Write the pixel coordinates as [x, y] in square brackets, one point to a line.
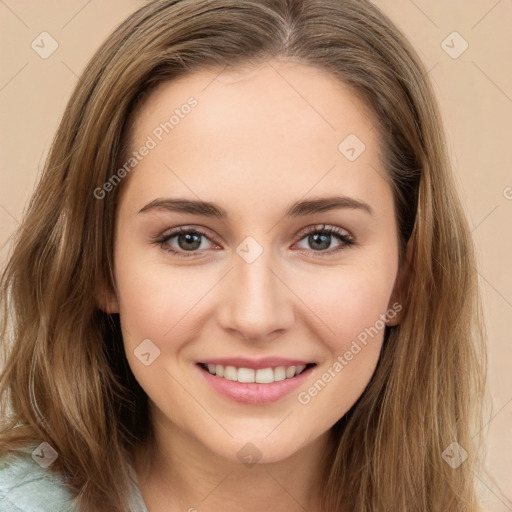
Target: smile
[255, 385]
[260, 375]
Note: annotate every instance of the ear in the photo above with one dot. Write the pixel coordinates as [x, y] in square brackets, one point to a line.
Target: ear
[106, 299]
[401, 285]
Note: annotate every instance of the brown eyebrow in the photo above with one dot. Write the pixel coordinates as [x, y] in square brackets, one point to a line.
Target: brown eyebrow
[300, 208]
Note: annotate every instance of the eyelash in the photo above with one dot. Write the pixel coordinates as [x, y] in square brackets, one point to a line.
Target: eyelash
[346, 239]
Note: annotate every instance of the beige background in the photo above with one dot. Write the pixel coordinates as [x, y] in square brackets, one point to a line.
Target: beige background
[474, 90]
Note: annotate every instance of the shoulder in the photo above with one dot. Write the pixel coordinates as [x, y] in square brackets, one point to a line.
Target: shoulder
[25, 486]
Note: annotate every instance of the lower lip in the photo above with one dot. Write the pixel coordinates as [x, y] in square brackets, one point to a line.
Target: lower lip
[254, 392]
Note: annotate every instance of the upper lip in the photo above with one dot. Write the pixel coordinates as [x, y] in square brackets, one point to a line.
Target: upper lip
[266, 362]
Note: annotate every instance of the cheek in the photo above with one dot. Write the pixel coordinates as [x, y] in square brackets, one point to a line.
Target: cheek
[154, 301]
[352, 305]
[158, 304]
[348, 301]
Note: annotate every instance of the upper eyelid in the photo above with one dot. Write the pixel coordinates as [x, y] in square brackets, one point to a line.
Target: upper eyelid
[170, 233]
[321, 227]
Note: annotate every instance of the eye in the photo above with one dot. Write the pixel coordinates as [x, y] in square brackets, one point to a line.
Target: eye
[188, 240]
[320, 238]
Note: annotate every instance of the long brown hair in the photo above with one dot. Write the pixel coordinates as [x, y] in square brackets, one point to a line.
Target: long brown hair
[66, 379]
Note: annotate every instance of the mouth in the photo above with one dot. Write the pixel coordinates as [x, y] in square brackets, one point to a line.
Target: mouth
[255, 386]
[266, 375]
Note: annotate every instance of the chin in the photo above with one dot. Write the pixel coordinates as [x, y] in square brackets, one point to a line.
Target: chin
[259, 449]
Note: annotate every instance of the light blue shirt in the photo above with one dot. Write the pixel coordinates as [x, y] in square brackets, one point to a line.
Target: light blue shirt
[25, 486]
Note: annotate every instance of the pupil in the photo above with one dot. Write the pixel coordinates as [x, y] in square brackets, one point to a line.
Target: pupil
[326, 239]
[189, 238]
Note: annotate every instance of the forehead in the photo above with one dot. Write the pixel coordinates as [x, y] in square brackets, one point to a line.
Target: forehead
[271, 129]
[272, 92]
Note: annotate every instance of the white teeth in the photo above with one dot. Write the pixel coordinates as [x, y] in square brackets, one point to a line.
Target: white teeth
[262, 375]
[299, 369]
[230, 373]
[265, 375]
[290, 371]
[246, 375]
[280, 373]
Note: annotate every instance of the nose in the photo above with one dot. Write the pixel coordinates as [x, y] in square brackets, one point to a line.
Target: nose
[257, 304]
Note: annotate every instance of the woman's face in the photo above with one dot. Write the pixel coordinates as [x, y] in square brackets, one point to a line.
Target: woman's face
[252, 166]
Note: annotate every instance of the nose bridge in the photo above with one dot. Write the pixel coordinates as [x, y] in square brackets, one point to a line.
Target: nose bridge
[257, 303]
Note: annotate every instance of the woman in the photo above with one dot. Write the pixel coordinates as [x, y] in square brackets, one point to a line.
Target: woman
[254, 369]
